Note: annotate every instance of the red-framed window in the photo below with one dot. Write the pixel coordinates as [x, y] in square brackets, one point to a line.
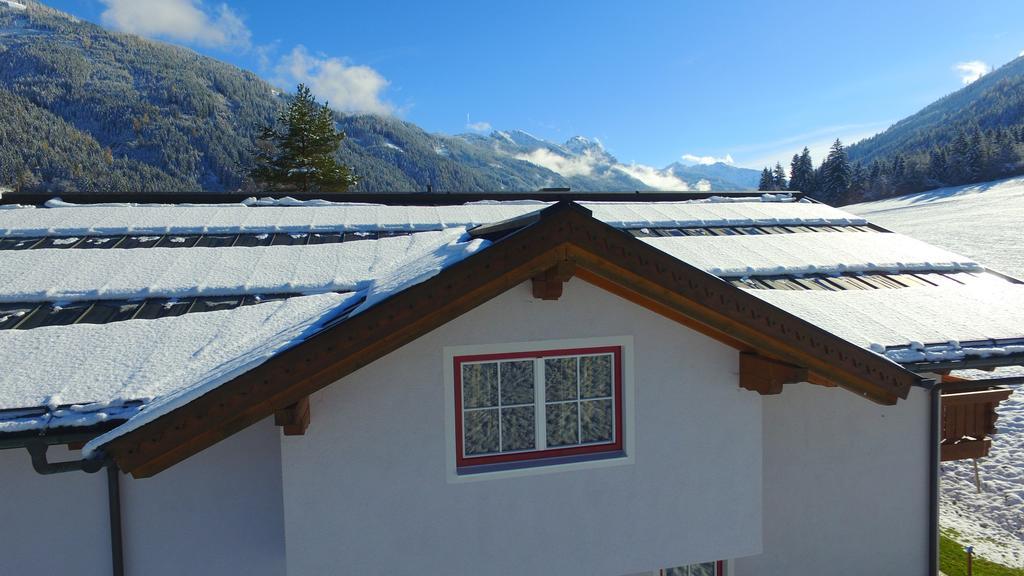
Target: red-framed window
[525, 406]
[703, 569]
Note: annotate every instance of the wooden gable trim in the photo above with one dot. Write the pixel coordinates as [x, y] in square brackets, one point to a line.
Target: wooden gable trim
[564, 236]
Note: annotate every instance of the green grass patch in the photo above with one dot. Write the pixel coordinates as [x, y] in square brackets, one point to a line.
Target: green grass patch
[953, 561]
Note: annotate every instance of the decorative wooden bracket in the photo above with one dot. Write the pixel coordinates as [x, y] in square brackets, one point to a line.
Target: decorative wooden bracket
[548, 284]
[294, 419]
[767, 376]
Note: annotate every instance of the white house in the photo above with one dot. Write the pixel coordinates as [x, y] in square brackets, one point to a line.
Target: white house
[745, 385]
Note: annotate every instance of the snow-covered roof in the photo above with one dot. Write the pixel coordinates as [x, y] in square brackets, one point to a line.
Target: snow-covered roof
[114, 219]
[182, 272]
[978, 320]
[801, 254]
[82, 374]
[96, 368]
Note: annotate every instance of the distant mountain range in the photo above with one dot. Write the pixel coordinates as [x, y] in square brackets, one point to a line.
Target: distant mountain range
[86, 109]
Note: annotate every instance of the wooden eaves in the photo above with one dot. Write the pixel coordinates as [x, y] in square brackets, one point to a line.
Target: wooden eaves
[563, 236]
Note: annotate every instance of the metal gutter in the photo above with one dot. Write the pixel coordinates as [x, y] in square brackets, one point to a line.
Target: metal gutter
[37, 450]
[967, 363]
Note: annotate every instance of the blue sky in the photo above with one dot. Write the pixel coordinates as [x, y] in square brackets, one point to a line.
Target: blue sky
[752, 81]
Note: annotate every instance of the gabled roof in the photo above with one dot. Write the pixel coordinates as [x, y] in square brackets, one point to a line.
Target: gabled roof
[563, 234]
[747, 271]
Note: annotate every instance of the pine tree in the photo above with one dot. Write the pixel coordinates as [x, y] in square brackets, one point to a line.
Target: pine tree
[1006, 160]
[835, 174]
[779, 181]
[766, 183]
[801, 172]
[938, 167]
[858, 182]
[298, 153]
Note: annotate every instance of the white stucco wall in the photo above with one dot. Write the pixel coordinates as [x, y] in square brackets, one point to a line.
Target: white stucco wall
[366, 489]
[845, 485]
[219, 512]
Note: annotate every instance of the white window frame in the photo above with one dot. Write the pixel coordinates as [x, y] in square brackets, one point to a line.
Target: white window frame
[625, 457]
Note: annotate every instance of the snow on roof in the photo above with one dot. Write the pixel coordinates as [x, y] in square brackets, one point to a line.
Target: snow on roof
[81, 220]
[817, 253]
[946, 319]
[65, 275]
[85, 373]
[144, 359]
[141, 369]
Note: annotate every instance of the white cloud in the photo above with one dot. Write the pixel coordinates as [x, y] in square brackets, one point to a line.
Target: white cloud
[582, 165]
[971, 71]
[588, 162]
[1021, 54]
[187, 21]
[347, 88]
[657, 179]
[694, 159]
[477, 126]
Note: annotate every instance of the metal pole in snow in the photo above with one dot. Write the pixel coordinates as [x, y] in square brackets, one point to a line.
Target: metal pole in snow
[977, 477]
[970, 560]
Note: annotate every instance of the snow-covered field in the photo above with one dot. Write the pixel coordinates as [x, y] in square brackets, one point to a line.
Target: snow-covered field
[982, 221]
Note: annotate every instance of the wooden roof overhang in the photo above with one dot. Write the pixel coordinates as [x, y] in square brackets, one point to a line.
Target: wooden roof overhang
[564, 237]
[968, 412]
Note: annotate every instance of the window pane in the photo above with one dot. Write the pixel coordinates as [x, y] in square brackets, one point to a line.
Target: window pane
[481, 431]
[596, 376]
[517, 429]
[705, 569]
[560, 379]
[563, 424]
[517, 382]
[596, 421]
[480, 385]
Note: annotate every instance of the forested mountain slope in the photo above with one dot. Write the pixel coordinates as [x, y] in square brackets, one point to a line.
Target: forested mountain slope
[996, 100]
[86, 109]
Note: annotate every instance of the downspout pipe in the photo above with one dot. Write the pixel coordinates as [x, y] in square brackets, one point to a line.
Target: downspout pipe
[114, 505]
[37, 450]
[934, 462]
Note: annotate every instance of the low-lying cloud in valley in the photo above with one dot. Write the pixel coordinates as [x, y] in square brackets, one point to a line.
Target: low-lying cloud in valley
[694, 159]
[658, 179]
[582, 165]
